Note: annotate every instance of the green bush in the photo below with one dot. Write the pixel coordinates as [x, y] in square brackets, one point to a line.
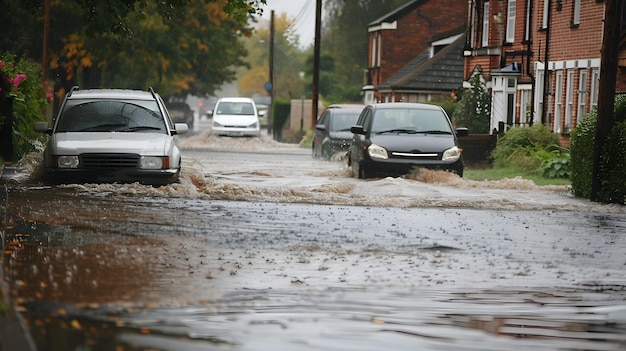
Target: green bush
[613, 167]
[20, 81]
[528, 149]
[582, 152]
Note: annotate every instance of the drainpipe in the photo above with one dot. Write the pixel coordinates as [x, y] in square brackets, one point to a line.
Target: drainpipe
[529, 55]
[544, 111]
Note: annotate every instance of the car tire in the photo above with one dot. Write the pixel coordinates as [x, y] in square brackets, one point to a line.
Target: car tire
[314, 153]
[358, 171]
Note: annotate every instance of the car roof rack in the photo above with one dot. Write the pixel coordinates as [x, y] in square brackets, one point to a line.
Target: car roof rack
[153, 93]
[75, 87]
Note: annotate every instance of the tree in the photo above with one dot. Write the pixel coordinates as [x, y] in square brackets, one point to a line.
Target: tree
[288, 61]
[345, 36]
[474, 109]
[177, 46]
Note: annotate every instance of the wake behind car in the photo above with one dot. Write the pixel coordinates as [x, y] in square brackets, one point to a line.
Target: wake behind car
[112, 135]
[393, 138]
[332, 130]
[236, 116]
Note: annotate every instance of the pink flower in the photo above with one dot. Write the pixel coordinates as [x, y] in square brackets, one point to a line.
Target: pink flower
[1, 64]
[19, 79]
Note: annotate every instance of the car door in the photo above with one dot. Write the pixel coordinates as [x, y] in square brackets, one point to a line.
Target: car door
[321, 132]
[360, 140]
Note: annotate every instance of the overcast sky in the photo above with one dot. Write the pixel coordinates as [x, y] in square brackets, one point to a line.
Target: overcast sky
[303, 11]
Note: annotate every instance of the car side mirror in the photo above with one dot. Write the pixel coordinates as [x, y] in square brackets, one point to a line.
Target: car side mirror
[42, 127]
[462, 132]
[357, 130]
[320, 127]
[180, 128]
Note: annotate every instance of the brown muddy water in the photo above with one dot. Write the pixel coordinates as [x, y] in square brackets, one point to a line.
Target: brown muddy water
[271, 250]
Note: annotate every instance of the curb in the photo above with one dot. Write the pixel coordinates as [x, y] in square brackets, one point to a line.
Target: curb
[14, 336]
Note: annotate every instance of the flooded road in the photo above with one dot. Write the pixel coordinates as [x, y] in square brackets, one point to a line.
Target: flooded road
[261, 247]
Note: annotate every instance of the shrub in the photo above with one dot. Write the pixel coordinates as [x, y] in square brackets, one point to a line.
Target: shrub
[613, 167]
[528, 149]
[582, 153]
[20, 81]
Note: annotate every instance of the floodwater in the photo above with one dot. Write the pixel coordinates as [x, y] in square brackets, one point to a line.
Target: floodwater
[261, 247]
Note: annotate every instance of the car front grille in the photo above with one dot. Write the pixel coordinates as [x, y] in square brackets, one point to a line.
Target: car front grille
[109, 161]
[417, 156]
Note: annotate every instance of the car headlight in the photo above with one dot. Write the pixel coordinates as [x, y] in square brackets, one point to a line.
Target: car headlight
[376, 151]
[452, 154]
[67, 161]
[216, 124]
[253, 125]
[152, 162]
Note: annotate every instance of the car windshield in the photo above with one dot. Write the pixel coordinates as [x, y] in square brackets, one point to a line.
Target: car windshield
[234, 108]
[343, 121]
[399, 120]
[104, 115]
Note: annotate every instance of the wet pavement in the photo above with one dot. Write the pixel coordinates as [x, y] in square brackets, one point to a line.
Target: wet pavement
[263, 250]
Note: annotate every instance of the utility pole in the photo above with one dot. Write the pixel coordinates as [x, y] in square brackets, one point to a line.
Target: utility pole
[271, 89]
[316, 62]
[606, 92]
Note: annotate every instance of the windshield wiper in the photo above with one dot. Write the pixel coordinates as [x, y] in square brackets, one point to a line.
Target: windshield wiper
[132, 129]
[399, 130]
[435, 132]
[102, 127]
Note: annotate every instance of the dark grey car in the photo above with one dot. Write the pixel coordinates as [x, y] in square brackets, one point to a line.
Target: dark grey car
[391, 139]
[332, 130]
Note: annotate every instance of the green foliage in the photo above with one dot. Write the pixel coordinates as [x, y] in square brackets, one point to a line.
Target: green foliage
[282, 109]
[614, 165]
[345, 35]
[474, 108]
[20, 81]
[582, 139]
[511, 173]
[178, 47]
[530, 149]
[558, 165]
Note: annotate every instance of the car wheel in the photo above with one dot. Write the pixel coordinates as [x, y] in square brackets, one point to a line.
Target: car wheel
[358, 171]
[326, 153]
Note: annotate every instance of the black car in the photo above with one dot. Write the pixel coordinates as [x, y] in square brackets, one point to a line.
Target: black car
[180, 112]
[391, 139]
[332, 130]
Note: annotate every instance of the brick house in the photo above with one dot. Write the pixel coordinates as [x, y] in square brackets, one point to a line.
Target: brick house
[509, 43]
[399, 37]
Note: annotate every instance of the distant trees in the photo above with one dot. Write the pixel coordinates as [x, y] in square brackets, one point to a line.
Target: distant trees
[178, 47]
[345, 39]
[289, 60]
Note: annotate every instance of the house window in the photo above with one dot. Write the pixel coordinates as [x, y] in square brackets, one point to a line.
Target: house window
[539, 94]
[582, 95]
[528, 16]
[485, 40]
[525, 108]
[576, 14]
[569, 100]
[379, 49]
[558, 101]
[510, 22]
[510, 109]
[546, 9]
[376, 46]
[474, 27]
[595, 80]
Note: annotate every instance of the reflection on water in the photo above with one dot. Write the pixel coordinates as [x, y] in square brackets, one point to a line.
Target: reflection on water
[340, 319]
